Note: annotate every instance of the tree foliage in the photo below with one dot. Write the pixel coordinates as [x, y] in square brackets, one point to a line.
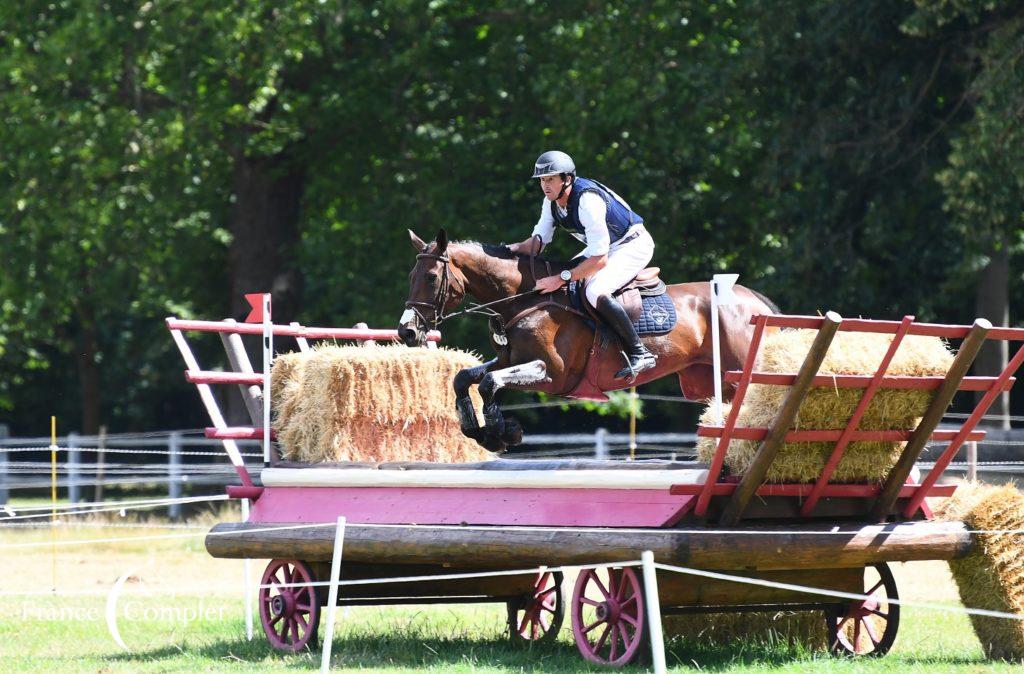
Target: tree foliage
[163, 157]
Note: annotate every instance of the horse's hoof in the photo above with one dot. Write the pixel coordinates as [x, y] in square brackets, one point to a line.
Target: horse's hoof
[492, 443]
[512, 434]
[473, 433]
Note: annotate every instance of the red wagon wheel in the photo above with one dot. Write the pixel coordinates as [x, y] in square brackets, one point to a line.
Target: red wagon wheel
[609, 621]
[869, 626]
[290, 615]
[538, 616]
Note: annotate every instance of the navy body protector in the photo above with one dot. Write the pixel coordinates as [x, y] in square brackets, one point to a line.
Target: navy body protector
[619, 217]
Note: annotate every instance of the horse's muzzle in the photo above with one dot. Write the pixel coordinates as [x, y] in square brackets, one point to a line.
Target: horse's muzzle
[410, 331]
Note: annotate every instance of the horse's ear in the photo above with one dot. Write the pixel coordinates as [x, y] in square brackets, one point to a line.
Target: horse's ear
[417, 242]
[442, 241]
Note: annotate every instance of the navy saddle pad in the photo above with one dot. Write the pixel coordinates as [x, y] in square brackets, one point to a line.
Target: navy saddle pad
[658, 315]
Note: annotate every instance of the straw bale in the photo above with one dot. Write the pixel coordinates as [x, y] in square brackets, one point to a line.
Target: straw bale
[830, 408]
[383, 403]
[991, 575]
[805, 628]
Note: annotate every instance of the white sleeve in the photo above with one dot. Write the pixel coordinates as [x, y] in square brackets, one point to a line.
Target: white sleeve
[593, 217]
[545, 227]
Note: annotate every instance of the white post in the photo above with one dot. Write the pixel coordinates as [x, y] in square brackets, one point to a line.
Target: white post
[248, 579]
[972, 460]
[332, 598]
[74, 457]
[268, 351]
[4, 433]
[174, 474]
[653, 612]
[721, 294]
[601, 443]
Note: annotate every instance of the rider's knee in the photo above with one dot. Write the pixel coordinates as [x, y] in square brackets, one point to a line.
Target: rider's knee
[596, 295]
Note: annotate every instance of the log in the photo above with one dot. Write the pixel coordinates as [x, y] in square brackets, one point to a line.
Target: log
[781, 547]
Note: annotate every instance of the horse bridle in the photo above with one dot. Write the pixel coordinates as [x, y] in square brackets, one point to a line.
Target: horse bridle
[437, 306]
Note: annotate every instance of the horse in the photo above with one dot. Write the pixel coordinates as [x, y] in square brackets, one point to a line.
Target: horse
[543, 343]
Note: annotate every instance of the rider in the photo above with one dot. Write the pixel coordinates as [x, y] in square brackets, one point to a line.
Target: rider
[618, 246]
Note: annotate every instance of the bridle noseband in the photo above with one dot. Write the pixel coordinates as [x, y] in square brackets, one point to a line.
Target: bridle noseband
[437, 306]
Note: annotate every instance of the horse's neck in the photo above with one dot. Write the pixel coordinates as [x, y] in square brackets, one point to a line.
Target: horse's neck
[489, 279]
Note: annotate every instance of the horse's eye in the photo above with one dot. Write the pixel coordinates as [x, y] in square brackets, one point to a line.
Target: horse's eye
[432, 279]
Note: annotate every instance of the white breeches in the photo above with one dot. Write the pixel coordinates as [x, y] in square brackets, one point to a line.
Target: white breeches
[624, 263]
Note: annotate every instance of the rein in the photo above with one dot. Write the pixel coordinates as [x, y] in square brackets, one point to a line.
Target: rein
[437, 306]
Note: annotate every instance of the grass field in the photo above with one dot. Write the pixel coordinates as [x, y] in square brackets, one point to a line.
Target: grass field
[182, 611]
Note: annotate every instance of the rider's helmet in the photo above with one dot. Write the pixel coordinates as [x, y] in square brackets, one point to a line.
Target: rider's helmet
[554, 162]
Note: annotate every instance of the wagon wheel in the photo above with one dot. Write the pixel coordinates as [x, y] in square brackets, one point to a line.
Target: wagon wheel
[869, 626]
[290, 615]
[538, 615]
[608, 618]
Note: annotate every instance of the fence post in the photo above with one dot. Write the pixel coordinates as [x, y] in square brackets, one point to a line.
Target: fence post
[74, 459]
[653, 611]
[101, 458]
[601, 443]
[4, 434]
[174, 473]
[972, 460]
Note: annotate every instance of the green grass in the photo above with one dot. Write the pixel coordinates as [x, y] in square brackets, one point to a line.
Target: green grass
[166, 633]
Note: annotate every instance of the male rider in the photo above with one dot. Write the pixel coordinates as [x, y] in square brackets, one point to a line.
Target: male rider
[618, 246]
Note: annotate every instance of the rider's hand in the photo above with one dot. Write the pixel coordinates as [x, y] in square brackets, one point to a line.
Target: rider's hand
[549, 284]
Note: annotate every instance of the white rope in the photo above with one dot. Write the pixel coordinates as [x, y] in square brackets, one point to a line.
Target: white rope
[838, 594]
[158, 504]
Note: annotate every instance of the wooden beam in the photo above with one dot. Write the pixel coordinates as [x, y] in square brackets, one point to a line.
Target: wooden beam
[940, 403]
[758, 468]
[768, 547]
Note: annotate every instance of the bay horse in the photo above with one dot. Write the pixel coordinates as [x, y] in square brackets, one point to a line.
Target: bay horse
[542, 343]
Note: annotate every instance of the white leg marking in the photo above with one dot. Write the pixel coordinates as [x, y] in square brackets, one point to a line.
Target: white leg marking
[408, 316]
[520, 375]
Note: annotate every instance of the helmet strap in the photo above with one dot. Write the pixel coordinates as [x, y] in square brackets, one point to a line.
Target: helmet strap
[565, 184]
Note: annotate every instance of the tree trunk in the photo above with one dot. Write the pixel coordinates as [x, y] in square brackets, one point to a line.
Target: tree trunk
[265, 236]
[992, 302]
[86, 351]
[265, 233]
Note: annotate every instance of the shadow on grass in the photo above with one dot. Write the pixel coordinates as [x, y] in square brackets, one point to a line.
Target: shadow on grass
[386, 651]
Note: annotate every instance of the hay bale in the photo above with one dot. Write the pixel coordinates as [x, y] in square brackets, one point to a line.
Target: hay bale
[384, 403]
[991, 575]
[830, 408]
[803, 628]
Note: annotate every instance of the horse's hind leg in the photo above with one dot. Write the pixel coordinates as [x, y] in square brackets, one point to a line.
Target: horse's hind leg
[496, 426]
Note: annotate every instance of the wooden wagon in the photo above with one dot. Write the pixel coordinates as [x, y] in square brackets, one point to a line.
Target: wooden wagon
[434, 520]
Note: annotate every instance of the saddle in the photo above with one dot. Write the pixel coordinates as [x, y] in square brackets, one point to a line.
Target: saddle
[630, 296]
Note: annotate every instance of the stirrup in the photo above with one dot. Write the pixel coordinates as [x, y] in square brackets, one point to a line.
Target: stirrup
[644, 362]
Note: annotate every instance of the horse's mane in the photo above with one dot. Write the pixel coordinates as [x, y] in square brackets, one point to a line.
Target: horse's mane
[502, 252]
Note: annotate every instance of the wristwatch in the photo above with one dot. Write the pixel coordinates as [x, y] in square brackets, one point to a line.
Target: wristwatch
[565, 275]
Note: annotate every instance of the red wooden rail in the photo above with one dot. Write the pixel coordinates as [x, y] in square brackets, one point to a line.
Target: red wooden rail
[753, 433]
[213, 377]
[290, 330]
[889, 327]
[238, 433]
[924, 383]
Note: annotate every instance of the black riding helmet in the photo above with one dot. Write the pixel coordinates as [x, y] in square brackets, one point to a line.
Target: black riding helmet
[555, 162]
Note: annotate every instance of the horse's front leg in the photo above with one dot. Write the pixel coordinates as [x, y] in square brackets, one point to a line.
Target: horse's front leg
[464, 404]
[496, 426]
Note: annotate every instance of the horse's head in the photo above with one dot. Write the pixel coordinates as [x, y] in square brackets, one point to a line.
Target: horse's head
[435, 286]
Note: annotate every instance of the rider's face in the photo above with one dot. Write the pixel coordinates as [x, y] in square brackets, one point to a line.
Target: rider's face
[551, 185]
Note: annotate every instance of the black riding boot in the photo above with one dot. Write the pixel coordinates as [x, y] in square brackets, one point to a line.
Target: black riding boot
[638, 357]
